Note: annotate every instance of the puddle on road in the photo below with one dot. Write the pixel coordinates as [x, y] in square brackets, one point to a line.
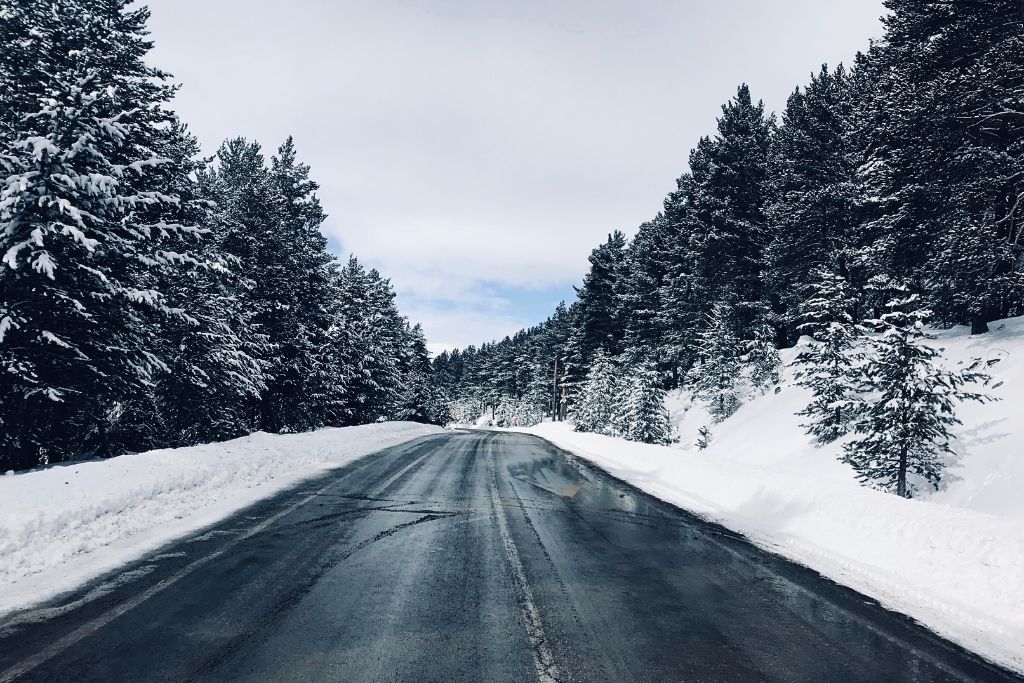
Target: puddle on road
[564, 479]
[548, 474]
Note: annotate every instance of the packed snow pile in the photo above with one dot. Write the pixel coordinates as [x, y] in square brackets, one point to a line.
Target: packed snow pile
[63, 525]
[952, 559]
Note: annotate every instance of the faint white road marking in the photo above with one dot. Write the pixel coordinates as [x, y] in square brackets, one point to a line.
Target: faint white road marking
[384, 487]
[547, 672]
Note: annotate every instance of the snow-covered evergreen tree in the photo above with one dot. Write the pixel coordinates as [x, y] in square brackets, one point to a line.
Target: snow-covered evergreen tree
[976, 271]
[465, 410]
[377, 336]
[81, 232]
[828, 366]
[645, 273]
[597, 314]
[505, 412]
[762, 358]
[146, 300]
[641, 414]
[215, 372]
[725, 221]
[812, 209]
[704, 437]
[420, 399]
[517, 412]
[713, 379]
[306, 391]
[683, 295]
[715, 233]
[910, 403]
[596, 407]
[535, 404]
[940, 127]
[274, 218]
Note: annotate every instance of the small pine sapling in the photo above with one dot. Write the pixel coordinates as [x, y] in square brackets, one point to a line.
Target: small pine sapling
[642, 415]
[762, 357]
[906, 425]
[703, 437]
[595, 411]
[713, 378]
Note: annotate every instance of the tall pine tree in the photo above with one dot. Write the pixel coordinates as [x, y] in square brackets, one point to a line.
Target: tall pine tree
[940, 121]
[641, 414]
[81, 232]
[598, 310]
[725, 217]
[812, 211]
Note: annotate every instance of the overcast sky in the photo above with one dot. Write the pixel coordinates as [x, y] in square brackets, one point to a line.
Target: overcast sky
[475, 151]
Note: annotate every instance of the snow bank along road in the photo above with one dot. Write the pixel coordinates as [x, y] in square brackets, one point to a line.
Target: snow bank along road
[480, 556]
[64, 525]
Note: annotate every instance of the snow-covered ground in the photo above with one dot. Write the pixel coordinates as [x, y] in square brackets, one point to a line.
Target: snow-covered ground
[952, 559]
[66, 524]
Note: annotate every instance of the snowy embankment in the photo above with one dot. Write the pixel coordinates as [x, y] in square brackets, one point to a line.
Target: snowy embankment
[66, 524]
[952, 559]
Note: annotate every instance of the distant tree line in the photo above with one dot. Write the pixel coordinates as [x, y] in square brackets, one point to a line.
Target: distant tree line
[149, 297]
[888, 195]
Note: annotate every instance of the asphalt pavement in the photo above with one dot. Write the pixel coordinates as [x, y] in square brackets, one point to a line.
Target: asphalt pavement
[470, 556]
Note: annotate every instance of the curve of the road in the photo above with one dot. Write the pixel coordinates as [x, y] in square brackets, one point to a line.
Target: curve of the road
[470, 556]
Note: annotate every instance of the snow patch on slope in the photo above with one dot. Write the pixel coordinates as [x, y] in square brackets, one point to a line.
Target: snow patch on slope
[66, 524]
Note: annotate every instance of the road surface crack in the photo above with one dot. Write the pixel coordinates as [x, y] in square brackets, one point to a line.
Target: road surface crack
[296, 593]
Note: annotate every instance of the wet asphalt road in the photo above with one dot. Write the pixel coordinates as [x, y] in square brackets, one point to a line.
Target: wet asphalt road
[470, 556]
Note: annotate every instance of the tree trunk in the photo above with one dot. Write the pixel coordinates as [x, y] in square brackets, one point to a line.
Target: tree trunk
[104, 450]
[901, 478]
[979, 325]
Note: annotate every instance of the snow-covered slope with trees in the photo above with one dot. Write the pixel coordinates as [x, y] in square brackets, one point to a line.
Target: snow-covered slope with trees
[888, 190]
[65, 524]
[952, 558]
[985, 473]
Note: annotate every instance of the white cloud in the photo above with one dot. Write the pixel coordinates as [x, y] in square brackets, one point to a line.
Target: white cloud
[457, 327]
[467, 146]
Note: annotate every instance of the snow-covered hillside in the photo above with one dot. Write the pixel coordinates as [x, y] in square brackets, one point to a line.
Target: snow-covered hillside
[63, 525]
[986, 475]
[953, 558]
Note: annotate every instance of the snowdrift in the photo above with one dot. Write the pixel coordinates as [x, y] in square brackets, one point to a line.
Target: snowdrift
[66, 524]
[953, 559]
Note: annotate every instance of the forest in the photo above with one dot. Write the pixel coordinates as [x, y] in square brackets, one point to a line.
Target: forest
[887, 200]
[150, 297]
